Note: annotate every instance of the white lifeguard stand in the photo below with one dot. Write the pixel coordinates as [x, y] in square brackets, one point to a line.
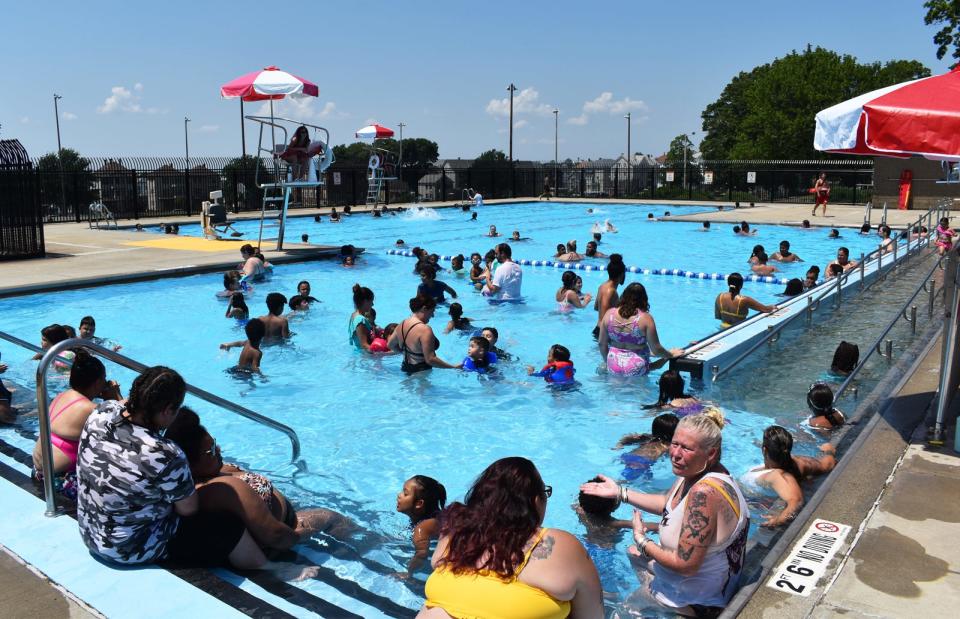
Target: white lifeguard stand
[275, 135]
[381, 166]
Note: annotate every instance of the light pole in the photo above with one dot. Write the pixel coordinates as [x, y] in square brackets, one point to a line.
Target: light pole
[400, 162]
[686, 147]
[629, 166]
[511, 88]
[556, 158]
[186, 140]
[63, 189]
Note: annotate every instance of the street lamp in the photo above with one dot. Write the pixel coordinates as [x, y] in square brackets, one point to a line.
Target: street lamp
[511, 88]
[63, 189]
[686, 147]
[629, 167]
[400, 162]
[556, 158]
[186, 140]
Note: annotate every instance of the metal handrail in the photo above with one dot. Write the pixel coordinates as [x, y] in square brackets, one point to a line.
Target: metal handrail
[773, 333]
[901, 313]
[46, 452]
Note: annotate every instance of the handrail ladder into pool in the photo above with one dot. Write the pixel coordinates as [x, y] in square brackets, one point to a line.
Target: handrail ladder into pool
[318, 165]
[43, 403]
[773, 331]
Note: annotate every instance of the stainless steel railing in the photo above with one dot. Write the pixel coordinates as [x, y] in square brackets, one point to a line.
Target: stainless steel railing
[54, 351]
[813, 303]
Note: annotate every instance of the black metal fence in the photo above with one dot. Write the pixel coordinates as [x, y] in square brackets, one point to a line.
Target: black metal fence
[21, 224]
[134, 189]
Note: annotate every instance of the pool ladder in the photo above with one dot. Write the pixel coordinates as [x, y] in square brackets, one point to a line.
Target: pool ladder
[43, 405]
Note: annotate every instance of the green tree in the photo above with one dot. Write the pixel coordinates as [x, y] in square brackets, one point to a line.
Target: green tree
[239, 181]
[768, 113]
[944, 12]
[491, 174]
[680, 147]
[77, 180]
[352, 155]
[492, 156]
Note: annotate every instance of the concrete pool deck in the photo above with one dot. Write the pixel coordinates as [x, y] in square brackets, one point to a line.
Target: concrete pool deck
[899, 495]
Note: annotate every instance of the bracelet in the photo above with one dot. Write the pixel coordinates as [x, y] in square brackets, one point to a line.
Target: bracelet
[623, 494]
[643, 547]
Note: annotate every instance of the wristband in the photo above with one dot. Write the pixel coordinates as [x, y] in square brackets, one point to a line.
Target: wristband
[623, 494]
[642, 547]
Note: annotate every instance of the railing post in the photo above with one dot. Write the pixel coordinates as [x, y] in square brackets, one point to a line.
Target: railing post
[932, 298]
[136, 194]
[616, 182]
[880, 272]
[809, 311]
[889, 347]
[76, 195]
[186, 186]
[839, 299]
[913, 319]
[862, 284]
[443, 185]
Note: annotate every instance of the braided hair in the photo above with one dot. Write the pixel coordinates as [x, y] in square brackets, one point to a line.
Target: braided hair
[155, 390]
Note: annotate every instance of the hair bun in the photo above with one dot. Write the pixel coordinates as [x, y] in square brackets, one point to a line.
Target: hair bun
[356, 287]
[715, 415]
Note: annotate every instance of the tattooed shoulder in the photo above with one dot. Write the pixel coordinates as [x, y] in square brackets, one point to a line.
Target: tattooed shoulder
[545, 548]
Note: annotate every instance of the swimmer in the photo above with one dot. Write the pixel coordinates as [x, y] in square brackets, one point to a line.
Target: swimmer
[592, 251]
[237, 308]
[650, 217]
[316, 219]
[736, 230]
[834, 234]
[559, 369]
[731, 307]
[887, 244]
[516, 236]
[231, 284]
[479, 357]
[457, 320]
[567, 296]
[745, 229]
[794, 287]
[610, 227]
[666, 214]
[589, 210]
[476, 270]
[761, 267]
[456, 265]
[473, 217]
[805, 224]
[348, 261]
[88, 331]
[493, 232]
[650, 447]
[298, 304]
[596, 515]
[783, 472]
[607, 296]
[705, 227]
[673, 396]
[305, 238]
[421, 499]
[432, 287]
[277, 327]
[845, 359]
[251, 355]
[400, 243]
[492, 335]
[379, 342]
[810, 279]
[865, 229]
[757, 249]
[785, 255]
[334, 216]
[843, 259]
[820, 402]
[303, 289]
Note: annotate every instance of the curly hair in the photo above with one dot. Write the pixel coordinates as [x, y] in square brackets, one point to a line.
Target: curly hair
[633, 299]
[155, 390]
[500, 514]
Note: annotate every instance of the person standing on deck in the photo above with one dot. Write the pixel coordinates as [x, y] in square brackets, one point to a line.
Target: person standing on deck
[822, 191]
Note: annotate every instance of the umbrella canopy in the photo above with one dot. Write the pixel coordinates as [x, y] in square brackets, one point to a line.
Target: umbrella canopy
[374, 132]
[270, 83]
[920, 117]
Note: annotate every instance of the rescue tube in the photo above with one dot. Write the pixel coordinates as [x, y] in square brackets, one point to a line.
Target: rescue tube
[374, 161]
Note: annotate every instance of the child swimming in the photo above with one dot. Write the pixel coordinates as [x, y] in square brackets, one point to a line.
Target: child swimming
[479, 358]
[559, 369]
[421, 499]
[457, 320]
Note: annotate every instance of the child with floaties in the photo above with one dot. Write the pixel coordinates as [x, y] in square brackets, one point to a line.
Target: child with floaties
[559, 369]
[479, 357]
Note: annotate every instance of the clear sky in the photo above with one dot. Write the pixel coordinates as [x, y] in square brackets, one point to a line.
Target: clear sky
[130, 71]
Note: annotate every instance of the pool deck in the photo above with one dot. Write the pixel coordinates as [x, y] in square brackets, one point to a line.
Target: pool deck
[902, 557]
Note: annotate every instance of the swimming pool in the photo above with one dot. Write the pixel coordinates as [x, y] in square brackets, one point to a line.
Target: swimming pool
[365, 427]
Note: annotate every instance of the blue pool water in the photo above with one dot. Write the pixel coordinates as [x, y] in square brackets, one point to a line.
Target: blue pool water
[366, 427]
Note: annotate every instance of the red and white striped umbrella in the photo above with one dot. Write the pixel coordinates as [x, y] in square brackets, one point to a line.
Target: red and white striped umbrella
[270, 83]
[374, 132]
[920, 117]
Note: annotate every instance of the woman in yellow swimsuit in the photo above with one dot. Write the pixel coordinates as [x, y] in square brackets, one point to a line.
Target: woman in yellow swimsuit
[732, 307]
[512, 566]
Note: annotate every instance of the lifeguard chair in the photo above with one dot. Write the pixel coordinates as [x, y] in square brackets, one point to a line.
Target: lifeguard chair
[278, 181]
[213, 217]
[382, 164]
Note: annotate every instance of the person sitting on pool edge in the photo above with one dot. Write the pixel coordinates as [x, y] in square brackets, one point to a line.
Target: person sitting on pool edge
[559, 369]
[432, 287]
[422, 499]
[731, 307]
[785, 255]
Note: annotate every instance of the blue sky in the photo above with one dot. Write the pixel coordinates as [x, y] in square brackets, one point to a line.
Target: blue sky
[129, 72]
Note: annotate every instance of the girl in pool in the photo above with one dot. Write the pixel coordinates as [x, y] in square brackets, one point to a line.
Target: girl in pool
[628, 335]
[559, 369]
[757, 250]
[650, 447]
[568, 296]
[421, 500]
[479, 357]
[782, 472]
[238, 307]
[672, 396]
[457, 320]
[731, 307]
[456, 266]
[820, 402]
[945, 236]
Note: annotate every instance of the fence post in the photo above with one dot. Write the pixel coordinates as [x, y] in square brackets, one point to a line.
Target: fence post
[730, 185]
[76, 194]
[186, 186]
[616, 182]
[136, 195]
[513, 180]
[443, 185]
[353, 187]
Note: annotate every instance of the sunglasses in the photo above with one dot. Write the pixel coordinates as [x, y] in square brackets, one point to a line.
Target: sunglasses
[548, 491]
[213, 449]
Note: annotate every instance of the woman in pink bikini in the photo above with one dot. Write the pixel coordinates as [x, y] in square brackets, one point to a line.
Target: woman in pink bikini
[68, 413]
[628, 335]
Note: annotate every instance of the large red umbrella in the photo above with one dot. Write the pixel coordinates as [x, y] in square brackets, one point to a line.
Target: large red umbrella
[920, 117]
[270, 83]
[374, 132]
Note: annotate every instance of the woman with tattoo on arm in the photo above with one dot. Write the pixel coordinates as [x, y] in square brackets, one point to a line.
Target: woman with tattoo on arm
[494, 559]
[695, 568]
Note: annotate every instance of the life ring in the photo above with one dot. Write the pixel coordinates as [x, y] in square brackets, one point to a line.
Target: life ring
[374, 162]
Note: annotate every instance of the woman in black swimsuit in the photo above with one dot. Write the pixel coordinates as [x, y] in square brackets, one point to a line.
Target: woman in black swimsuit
[415, 339]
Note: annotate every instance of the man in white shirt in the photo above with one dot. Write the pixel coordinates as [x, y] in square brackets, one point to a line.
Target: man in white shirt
[477, 198]
[505, 283]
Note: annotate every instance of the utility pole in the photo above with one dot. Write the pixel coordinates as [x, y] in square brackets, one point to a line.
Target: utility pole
[556, 159]
[63, 188]
[629, 157]
[243, 131]
[511, 88]
[186, 140]
[400, 163]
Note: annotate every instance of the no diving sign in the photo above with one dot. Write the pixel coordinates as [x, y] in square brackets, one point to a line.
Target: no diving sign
[807, 562]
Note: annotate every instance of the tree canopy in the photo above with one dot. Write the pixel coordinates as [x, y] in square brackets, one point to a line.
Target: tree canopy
[78, 179]
[491, 156]
[768, 113]
[681, 148]
[945, 12]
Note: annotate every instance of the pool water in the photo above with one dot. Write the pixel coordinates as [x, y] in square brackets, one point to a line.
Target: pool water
[365, 427]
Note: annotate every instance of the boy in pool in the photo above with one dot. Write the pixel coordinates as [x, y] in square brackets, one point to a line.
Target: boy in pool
[88, 331]
[276, 326]
[251, 355]
[432, 287]
[559, 369]
[456, 266]
[596, 514]
[476, 270]
[479, 358]
[492, 335]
